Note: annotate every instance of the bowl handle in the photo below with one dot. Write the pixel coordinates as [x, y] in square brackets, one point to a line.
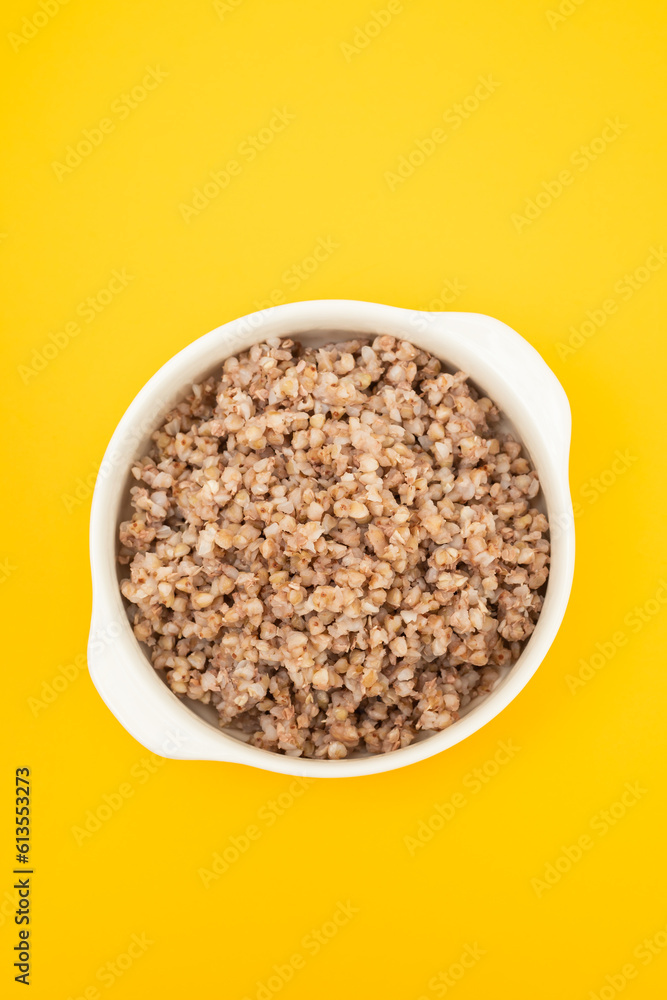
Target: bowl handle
[143, 704]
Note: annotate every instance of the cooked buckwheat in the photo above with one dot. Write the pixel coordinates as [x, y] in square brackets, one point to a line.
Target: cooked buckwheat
[333, 546]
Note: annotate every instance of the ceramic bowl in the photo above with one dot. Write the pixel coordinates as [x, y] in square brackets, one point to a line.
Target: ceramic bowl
[497, 359]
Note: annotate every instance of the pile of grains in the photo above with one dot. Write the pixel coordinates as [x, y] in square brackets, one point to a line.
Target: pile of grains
[333, 547]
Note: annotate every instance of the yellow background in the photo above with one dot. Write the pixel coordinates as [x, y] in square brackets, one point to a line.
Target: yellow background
[323, 176]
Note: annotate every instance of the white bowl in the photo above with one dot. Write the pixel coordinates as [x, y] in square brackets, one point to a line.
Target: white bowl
[501, 362]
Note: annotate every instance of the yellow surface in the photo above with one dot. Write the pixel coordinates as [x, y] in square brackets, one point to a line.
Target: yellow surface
[341, 109]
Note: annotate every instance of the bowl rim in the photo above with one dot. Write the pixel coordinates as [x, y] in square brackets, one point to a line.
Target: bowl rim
[504, 363]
